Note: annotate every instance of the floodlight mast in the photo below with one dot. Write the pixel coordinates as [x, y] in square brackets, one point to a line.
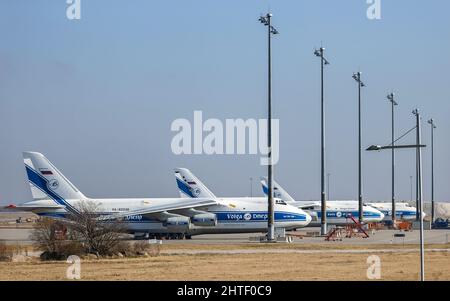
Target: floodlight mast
[266, 21]
[390, 97]
[433, 126]
[419, 193]
[323, 202]
[357, 78]
[419, 204]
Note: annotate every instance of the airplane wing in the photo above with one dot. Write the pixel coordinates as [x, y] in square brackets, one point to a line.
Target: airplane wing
[30, 208]
[305, 205]
[152, 210]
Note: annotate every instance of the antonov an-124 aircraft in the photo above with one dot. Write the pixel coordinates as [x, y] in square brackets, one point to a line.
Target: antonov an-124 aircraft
[55, 196]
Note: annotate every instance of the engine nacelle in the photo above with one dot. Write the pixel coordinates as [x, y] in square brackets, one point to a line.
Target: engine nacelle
[205, 219]
[177, 223]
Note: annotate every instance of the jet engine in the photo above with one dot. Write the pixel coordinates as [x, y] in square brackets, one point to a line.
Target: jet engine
[177, 223]
[205, 219]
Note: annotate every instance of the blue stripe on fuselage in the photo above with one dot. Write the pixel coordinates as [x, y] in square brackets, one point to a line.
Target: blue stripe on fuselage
[344, 214]
[258, 216]
[223, 217]
[399, 213]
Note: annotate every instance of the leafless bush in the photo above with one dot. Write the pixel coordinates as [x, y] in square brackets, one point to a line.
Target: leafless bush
[79, 234]
[99, 237]
[49, 236]
[143, 247]
[121, 247]
[6, 253]
[46, 235]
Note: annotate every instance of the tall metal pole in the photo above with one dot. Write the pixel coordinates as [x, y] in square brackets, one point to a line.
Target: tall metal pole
[357, 77]
[433, 126]
[420, 194]
[417, 178]
[432, 173]
[328, 186]
[390, 97]
[271, 217]
[323, 201]
[266, 20]
[411, 186]
[360, 207]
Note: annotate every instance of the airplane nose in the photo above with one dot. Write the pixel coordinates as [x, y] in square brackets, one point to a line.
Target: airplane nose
[308, 218]
[374, 215]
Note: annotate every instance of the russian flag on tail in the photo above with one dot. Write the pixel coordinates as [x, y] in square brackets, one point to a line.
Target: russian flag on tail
[45, 171]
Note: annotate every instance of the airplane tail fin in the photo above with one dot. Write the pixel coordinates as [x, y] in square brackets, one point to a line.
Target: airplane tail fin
[46, 181]
[278, 191]
[190, 186]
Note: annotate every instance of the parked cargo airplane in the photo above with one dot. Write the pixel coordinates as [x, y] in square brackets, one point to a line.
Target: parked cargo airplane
[403, 210]
[337, 211]
[190, 186]
[55, 196]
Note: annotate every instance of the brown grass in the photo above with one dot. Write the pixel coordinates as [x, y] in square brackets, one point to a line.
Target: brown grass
[238, 267]
[297, 246]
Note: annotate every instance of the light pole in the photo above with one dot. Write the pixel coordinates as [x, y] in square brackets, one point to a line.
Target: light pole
[411, 185]
[390, 97]
[420, 194]
[418, 146]
[266, 21]
[323, 202]
[433, 126]
[357, 78]
[328, 186]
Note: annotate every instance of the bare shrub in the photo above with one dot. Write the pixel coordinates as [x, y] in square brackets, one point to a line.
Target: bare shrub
[80, 233]
[99, 237]
[46, 235]
[121, 247]
[72, 247]
[140, 246]
[144, 247]
[6, 253]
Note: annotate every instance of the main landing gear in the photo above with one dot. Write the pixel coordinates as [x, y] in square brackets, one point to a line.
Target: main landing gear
[164, 236]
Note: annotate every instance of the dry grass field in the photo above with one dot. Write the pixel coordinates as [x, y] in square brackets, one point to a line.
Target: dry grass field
[258, 266]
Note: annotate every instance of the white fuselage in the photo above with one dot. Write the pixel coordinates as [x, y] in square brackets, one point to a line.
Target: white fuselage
[403, 210]
[233, 215]
[337, 211]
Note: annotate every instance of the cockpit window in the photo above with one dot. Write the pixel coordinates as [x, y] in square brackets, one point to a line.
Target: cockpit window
[280, 202]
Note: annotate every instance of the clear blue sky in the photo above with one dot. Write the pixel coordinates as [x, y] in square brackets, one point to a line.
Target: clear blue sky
[97, 96]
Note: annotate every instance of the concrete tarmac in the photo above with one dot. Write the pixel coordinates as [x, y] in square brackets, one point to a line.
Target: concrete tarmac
[22, 236]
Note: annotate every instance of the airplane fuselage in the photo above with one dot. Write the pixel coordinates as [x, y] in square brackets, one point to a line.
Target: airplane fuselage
[233, 216]
[337, 212]
[403, 211]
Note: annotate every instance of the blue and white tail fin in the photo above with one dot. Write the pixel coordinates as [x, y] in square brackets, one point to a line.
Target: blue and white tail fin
[190, 186]
[47, 182]
[278, 191]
